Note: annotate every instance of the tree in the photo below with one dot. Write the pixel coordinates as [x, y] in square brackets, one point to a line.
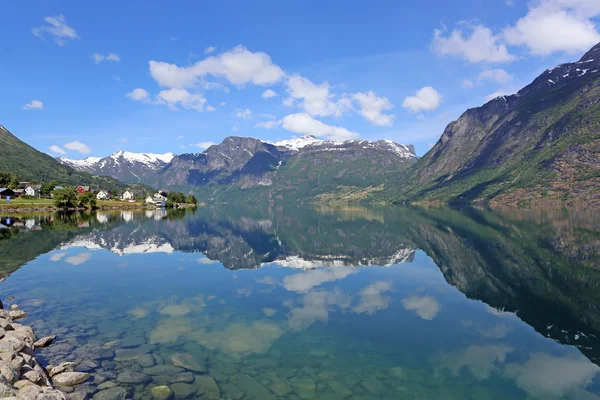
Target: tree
[47, 188]
[191, 199]
[85, 199]
[14, 183]
[65, 197]
[176, 197]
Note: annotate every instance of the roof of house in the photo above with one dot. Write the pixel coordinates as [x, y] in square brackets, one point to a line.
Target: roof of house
[86, 188]
[35, 187]
[4, 189]
[19, 190]
[58, 187]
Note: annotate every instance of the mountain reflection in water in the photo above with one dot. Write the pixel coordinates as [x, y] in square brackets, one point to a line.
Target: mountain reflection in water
[530, 268]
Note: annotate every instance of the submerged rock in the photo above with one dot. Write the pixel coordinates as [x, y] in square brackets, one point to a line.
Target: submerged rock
[188, 361]
[63, 367]
[183, 390]
[161, 393]
[208, 386]
[45, 341]
[253, 388]
[185, 377]
[70, 378]
[117, 393]
[162, 370]
[132, 377]
[17, 314]
[145, 360]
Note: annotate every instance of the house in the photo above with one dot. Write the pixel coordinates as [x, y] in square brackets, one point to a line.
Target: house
[6, 192]
[23, 185]
[150, 200]
[55, 188]
[33, 190]
[19, 192]
[128, 195]
[82, 189]
[160, 195]
[102, 195]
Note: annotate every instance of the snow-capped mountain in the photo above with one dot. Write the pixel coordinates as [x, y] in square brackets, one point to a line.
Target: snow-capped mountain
[123, 165]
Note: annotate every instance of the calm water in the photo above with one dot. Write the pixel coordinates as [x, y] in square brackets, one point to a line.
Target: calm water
[394, 303]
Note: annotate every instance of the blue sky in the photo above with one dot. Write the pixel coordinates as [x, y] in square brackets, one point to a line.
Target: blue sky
[87, 79]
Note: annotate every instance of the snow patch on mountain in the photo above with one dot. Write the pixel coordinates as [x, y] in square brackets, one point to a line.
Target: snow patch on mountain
[144, 158]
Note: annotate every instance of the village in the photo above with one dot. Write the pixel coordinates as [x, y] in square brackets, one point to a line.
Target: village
[85, 195]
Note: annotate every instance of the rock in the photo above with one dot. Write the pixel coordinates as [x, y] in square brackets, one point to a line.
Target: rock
[372, 386]
[78, 396]
[232, 391]
[87, 366]
[131, 354]
[185, 377]
[145, 360]
[29, 392]
[208, 386]
[9, 298]
[63, 367]
[14, 307]
[280, 387]
[116, 393]
[34, 376]
[16, 343]
[161, 393]
[188, 361]
[304, 387]
[52, 395]
[6, 391]
[70, 378]
[133, 377]
[165, 369]
[253, 388]
[44, 342]
[107, 385]
[339, 389]
[398, 373]
[10, 373]
[183, 390]
[133, 341]
[17, 314]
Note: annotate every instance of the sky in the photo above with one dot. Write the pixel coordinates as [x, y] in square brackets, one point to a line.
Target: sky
[81, 79]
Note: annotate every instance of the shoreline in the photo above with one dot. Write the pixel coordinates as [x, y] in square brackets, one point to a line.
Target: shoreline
[18, 209]
[22, 374]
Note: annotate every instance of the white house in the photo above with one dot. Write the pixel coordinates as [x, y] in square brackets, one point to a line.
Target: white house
[102, 195]
[159, 196]
[33, 190]
[150, 200]
[127, 195]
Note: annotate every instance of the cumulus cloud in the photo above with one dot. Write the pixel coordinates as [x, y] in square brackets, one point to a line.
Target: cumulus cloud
[305, 281]
[304, 124]
[545, 376]
[315, 306]
[244, 114]
[267, 94]
[467, 83]
[181, 97]
[371, 108]
[238, 66]
[138, 94]
[57, 256]
[425, 99]
[426, 307]
[78, 259]
[315, 99]
[481, 360]
[112, 57]
[78, 146]
[57, 149]
[556, 25]
[494, 75]
[268, 124]
[210, 108]
[203, 146]
[210, 49]
[57, 28]
[477, 46]
[34, 105]
[372, 299]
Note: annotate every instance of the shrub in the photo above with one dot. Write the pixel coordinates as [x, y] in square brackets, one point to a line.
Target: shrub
[65, 197]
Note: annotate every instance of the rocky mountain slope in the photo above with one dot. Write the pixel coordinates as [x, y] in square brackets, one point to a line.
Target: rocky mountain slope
[249, 169]
[27, 163]
[123, 165]
[540, 144]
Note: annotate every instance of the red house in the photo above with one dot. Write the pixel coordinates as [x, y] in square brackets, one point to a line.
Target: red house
[82, 189]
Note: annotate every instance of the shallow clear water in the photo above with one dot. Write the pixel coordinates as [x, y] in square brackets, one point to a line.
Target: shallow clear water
[326, 303]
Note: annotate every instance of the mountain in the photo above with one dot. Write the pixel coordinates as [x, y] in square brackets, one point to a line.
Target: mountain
[123, 165]
[27, 163]
[249, 169]
[541, 144]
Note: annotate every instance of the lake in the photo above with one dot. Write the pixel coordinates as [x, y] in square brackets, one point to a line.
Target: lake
[315, 303]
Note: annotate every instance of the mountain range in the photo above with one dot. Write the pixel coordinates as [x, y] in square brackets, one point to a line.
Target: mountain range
[540, 145]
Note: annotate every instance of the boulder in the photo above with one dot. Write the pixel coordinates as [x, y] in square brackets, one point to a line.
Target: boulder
[189, 362]
[145, 360]
[17, 314]
[161, 393]
[132, 377]
[208, 386]
[116, 393]
[44, 342]
[183, 390]
[185, 377]
[63, 367]
[70, 378]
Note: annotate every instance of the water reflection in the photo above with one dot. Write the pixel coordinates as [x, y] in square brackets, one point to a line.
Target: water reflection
[319, 303]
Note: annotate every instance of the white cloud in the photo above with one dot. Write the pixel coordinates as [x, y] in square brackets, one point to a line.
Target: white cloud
[267, 94]
[316, 100]
[315, 306]
[480, 46]
[545, 376]
[268, 124]
[112, 57]
[34, 105]
[138, 94]
[174, 97]
[57, 28]
[244, 114]
[78, 146]
[238, 66]
[426, 307]
[371, 299]
[122, 140]
[210, 49]
[495, 75]
[467, 83]
[78, 259]
[304, 124]
[480, 360]
[179, 137]
[57, 256]
[426, 99]
[210, 108]
[305, 281]
[117, 78]
[204, 145]
[222, 103]
[371, 108]
[234, 129]
[556, 25]
[57, 149]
